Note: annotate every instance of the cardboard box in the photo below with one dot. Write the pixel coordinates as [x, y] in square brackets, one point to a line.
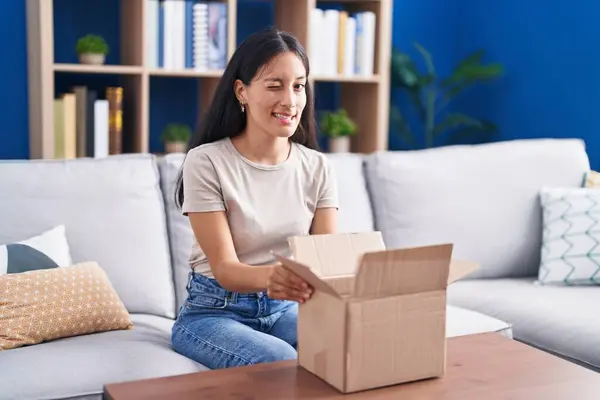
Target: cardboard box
[377, 317]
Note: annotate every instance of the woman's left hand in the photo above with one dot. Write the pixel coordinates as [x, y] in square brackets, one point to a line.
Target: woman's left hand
[283, 284]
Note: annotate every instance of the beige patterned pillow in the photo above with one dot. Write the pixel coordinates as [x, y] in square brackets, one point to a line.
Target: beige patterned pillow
[591, 179]
[41, 305]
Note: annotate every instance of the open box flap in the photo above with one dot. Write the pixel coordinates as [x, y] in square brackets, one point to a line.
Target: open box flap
[403, 271]
[304, 272]
[460, 269]
[334, 254]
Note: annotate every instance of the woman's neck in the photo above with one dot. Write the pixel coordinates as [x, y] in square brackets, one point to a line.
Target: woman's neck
[262, 148]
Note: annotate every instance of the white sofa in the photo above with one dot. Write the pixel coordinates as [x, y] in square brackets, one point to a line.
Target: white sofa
[485, 199]
[120, 212]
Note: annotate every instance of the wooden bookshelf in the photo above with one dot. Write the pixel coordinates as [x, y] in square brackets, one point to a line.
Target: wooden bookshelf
[101, 69]
[349, 79]
[365, 97]
[189, 73]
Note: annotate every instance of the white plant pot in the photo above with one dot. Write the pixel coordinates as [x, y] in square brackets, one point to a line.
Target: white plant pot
[339, 144]
[176, 147]
[91, 58]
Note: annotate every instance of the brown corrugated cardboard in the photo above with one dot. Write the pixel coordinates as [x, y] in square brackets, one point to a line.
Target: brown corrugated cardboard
[377, 317]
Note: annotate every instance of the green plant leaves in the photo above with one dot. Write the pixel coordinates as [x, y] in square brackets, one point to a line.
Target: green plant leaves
[337, 124]
[458, 120]
[431, 95]
[404, 72]
[484, 130]
[427, 57]
[93, 44]
[470, 70]
[175, 132]
[405, 75]
[402, 127]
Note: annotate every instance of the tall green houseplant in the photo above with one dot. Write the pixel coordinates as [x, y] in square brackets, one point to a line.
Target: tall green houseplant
[431, 94]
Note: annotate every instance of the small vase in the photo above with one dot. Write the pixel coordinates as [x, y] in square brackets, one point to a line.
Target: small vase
[92, 58]
[339, 144]
[176, 147]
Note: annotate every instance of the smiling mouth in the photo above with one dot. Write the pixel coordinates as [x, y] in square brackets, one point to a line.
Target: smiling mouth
[284, 118]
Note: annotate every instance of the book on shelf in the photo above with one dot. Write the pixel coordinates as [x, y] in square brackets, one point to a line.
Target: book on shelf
[342, 43]
[86, 125]
[114, 97]
[186, 34]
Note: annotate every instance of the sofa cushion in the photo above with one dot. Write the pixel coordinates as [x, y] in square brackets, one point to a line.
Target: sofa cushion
[460, 322]
[570, 236]
[562, 320]
[181, 236]
[82, 365]
[49, 249]
[355, 213]
[591, 179]
[113, 213]
[46, 304]
[482, 198]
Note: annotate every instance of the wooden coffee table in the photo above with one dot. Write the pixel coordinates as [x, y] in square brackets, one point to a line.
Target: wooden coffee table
[484, 366]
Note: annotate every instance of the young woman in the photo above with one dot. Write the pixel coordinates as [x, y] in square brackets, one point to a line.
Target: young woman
[251, 179]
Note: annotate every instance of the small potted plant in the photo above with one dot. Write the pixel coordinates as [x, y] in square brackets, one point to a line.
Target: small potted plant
[92, 49]
[176, 137]
[338, 126]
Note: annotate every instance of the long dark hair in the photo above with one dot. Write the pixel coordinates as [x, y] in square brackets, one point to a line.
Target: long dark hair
[224, 118]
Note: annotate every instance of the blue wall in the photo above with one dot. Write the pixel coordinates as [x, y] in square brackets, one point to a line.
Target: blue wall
[551, 67]
[547, 90]
[14, 141]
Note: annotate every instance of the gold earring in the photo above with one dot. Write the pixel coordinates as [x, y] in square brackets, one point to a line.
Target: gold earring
[242, 106]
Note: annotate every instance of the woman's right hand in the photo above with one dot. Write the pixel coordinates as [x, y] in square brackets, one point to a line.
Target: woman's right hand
[283, 284]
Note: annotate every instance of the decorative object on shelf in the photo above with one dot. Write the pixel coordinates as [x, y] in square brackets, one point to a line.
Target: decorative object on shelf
[92, 49]
[114, 96]
[176, 137]
[431, 95]
[338, 126]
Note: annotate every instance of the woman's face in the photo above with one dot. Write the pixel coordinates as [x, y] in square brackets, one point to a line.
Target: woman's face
[275, 99]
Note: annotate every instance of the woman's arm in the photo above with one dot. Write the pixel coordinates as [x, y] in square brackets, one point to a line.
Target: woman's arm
[324, 221]
[214, 238]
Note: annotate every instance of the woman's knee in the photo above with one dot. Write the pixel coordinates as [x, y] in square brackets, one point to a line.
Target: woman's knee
[202, 351]
[251, 347]
[275, 350]
[183, 341]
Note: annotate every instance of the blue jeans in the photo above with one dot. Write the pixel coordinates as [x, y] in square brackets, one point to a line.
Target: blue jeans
[221, 329]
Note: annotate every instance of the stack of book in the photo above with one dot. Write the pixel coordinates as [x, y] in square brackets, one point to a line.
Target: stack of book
[186, 34]
[86, 125]
[342, 43]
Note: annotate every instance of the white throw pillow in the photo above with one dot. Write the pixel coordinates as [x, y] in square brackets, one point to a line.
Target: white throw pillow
[49, 249]
[570, 252]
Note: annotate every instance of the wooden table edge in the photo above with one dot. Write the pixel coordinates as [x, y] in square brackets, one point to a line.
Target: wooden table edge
[486, 338]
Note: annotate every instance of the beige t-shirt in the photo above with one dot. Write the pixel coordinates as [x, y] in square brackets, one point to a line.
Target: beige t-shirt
[265, 204]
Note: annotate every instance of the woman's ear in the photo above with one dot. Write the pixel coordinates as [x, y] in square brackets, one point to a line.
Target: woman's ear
[240, 90]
